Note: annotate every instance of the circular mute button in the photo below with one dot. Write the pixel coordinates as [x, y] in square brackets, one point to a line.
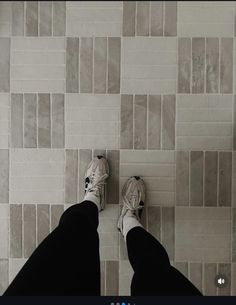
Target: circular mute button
[221, 281]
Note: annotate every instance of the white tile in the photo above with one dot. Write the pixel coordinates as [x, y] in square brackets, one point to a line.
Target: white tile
[206, 30]
[38, 43]
[108, 239]
[38, 58]
[148, 86]
[5, 19]
[204, 143]
[204, 122]
[92, 121]
[109, 253]
[156, 168]
[33, 171]
[93, 4]
[205, 19]
[37, 72]
[152, 54]
[15, 265]
[94, 19]
[41, 86]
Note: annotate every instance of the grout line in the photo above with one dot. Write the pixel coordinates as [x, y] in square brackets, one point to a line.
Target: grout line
[163, 17]
[106, 82]
[149, 18]
[92, 78]
[22, 230]
[24, 19]
[135, 21]
[50, 116]
[219, 80]
[52, 17]
[23, 120]
[133, 101]
[39, 19]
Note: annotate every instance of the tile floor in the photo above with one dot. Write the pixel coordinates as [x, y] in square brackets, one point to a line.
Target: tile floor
[148, 84]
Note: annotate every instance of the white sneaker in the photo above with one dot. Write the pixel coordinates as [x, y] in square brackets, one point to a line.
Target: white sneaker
[95, 176]
[133, 196]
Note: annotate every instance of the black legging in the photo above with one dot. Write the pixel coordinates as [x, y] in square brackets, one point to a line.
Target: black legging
[67, 262]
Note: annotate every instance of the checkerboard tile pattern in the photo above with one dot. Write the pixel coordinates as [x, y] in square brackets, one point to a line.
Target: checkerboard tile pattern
[150, 85]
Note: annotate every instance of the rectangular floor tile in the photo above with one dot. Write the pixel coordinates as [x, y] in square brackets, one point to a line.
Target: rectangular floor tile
[126, 117]
[210, 272]
[4, 278]
[211, 169]
[4, 178]
[5, 64]
[16, 231]
[225, 178]
[129, 9]
[184, 65]
[58, 128]
[212, 65]
[196, 186]
[86, 65]
[29, 229]
[44, 121]
[43, 222]
[168, 122]
[142, 18]
[198, 62]
[170, 18]
[71, 176]
[100, 65]
[114, 45]
[140, 122]
[18, 18]
[56, 212]
[45, 16]
[154, 122]
[226, 65]
[156, 8]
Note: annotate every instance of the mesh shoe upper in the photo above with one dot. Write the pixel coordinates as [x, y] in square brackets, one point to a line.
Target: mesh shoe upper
[133, 196]
[95, 176]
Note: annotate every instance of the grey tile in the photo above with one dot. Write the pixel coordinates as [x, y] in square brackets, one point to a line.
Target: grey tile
[100, 64]
[58, 128]
[154, 221]
[123, 248]
[43, 222]
[17, 120]
[31, 18]
[86, 65]
[129, 8]
[4, 278]
[17, 18]
[102, 270]
[196, 178]
[72, 64]
[154, 122]
[4, 176]
[45, 18]
[234, 124]
[234, 235]
[211, 162]
[195, 274]
[113, 158]
[56, 212]
[182, 178]
[59, 18]
[168, 122]
[226, 65]
[30, 131]
[184, 65]
[113, 85]
[157, 18]
[85, 156]
[140, 122]
[225, 178]
[143, 219]
[212, 65]
[29, 229]
[168, 230]
[142, 21]
[126, 124]
[233, 280]
[44, 121]
[182, 267]
[112, 278]
[226, 270]
[16, 230]
[71, 176]
[210, 272]
[99, 152]
[5, 64]
[170, 18]
[198, 65]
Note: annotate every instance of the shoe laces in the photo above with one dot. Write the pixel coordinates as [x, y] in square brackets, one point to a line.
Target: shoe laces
[130, 203]
[97, 186]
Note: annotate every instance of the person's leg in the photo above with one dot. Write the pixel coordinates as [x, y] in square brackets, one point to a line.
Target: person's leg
[153, 274]
[67, 261]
